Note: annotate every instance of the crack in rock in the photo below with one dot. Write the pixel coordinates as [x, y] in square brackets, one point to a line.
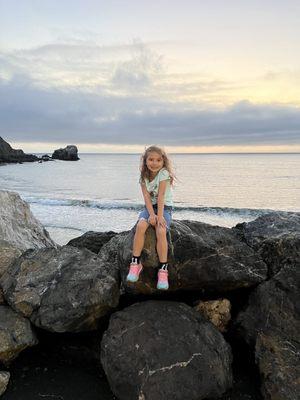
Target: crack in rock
[178, 364]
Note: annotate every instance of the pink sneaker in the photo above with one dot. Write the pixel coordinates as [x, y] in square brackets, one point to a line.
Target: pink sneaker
[162, 282]
[134, 272]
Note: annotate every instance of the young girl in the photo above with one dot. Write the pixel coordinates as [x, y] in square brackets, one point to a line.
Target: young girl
[156, 180]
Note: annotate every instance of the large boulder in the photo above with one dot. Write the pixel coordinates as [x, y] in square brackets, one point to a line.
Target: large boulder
[276, 237]
[165, 350]
[69, 153]
[271, 325]
[16, 334]
[61, 290]
[18, 225]
[201, 256]
[92, 241]
[10, 155]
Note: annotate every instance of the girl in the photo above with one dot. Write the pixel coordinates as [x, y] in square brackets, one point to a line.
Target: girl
[156, 180]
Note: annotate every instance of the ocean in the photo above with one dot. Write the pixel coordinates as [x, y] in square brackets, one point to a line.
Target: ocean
[100, 192]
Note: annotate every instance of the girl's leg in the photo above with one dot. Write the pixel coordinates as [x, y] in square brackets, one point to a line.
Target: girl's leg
[162, 244]
[139, 237]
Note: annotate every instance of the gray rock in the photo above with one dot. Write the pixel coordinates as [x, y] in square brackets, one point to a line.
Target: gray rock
[201, 256]
[62, 290]
[276, 237]
[4, 379]
[16, 334]
[271, 325]
[165, 350]
[18, 226]
[69, 153]
[92, 241]
[10, 155]
[8, 253]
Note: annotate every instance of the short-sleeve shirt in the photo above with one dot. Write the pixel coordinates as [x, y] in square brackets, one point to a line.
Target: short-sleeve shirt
[152, 187]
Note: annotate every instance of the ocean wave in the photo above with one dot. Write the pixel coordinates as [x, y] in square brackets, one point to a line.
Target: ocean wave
[120, 205]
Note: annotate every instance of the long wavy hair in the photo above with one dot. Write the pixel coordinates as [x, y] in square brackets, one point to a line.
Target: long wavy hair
[145, 173]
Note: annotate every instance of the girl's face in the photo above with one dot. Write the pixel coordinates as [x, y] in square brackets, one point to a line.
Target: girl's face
[154, 162]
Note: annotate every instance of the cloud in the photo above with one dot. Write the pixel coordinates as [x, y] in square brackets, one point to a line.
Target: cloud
[30, 113]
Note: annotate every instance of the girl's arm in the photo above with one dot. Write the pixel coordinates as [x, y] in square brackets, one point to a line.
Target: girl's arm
[161, 202]
[148, 204]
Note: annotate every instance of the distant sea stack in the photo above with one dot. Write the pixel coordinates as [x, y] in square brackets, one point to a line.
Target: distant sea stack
[10, 155]
[69, 153]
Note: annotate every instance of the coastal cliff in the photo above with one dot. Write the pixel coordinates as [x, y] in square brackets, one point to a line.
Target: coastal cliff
[160, 345]
[10, 155]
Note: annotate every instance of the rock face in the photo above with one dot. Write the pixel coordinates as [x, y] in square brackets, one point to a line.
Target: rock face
[9, 155]
[216, 311]
[4, 379]
[276, 237]
[18, 226]
[69, 153]
[271, 325]
[201, 256]
[8, 253]
[165, 350]
[92, 241]
[15, 334]
[61, 290]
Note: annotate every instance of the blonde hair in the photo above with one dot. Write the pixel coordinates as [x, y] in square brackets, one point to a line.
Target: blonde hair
[145, 173]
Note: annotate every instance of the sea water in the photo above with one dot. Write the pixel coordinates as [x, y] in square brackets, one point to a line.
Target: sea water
[100, 192]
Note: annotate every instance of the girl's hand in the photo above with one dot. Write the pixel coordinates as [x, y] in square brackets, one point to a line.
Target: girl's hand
[161, 221]
[152, 219]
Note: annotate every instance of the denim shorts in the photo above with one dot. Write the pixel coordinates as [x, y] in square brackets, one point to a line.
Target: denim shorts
[144, 214]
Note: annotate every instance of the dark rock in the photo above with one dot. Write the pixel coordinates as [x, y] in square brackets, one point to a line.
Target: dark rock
[165, 350]
[10, 155]
[46, 157]
[69, 153]
[278, 362]
[201, 256]
[92, 241]
[276, 237]
[61, 290]
[271, 324]
[15, 334]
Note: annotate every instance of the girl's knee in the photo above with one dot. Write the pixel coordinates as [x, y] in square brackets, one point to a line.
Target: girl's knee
[161, 231]
[142, 225]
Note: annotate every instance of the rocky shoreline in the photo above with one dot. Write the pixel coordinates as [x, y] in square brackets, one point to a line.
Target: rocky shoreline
[227, 328]
[10, 155]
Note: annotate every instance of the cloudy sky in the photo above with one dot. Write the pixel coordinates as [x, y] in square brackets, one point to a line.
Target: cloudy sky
[190, 75]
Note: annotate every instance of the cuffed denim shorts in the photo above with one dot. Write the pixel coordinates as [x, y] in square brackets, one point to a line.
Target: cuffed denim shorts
[144, 214]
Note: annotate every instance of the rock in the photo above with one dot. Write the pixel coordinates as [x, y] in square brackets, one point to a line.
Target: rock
[10, 155]
[278, 362]
[46, 157]
[216, 311]
[18, 226]
[276, 237]
[271, 324]
[201, 257]
[164, 350]
[16, 334]
[8, 253]
[92, 241]
[69, 153]
[61, 290]
[4, 379]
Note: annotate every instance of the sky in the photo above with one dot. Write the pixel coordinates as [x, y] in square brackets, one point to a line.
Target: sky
[116, 76]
